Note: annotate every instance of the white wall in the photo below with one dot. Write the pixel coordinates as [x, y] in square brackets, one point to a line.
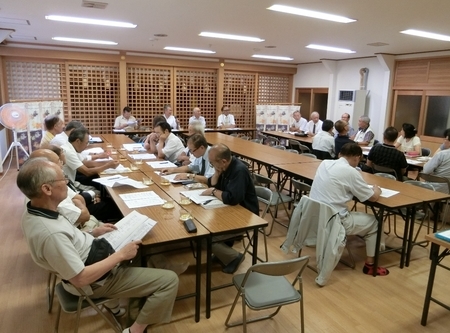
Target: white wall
[344, 75]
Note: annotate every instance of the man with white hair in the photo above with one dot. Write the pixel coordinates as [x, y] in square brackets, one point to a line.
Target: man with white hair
[197, 117]
[298, 123]
[314, 126]
[365, 135]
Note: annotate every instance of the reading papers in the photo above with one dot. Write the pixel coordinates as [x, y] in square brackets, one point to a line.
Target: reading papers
[385, 192]
[114, 181]
[143, 156]
[161, 165]
[132, 227]
[207, 201]
[133, 146]
[141, 199]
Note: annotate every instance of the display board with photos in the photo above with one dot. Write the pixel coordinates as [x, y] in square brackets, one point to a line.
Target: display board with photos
[275, 117]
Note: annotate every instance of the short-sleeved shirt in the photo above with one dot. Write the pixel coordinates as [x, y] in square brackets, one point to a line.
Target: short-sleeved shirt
[225, 120]
[171, 121]
[324, 141]
[196, 165]
[46, 138]
[340, 141]
[73, 161]
[68, 209]
[337, 182]
[388, 156]
[439, 165]
[60, 139]
[121, 120]
[54, 243]
[199, 120]
[173, 147]
[406, 146]
[301, 124]
[366, 135]
[315, 130]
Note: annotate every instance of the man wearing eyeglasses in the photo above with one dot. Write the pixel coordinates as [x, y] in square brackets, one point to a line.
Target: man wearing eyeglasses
[226, 120]
[57, 246]
[200, 169]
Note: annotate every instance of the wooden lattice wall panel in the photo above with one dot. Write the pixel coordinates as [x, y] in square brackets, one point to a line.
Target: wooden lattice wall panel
[148, 90]
[196, 88]
[273, 89]
[239, 92]
[94, 95]
[34, 81]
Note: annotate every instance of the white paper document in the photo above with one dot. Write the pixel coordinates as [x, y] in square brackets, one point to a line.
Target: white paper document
[195, 196]
[103, 159]
[161, 164]
[94, 150]
[120, 169]
[171, 178]
[410, 161]
[132, 227]
[95, 139]
[133, 146]
[115, 181]
[143, 156]
[386, 193]
[141, 199]
[118, 130]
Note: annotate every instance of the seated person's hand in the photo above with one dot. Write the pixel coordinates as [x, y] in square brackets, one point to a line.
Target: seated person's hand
[181, 176]
[103, 229]
[208, 191]
[167, 171]
[130, 250]
[113, 164]
[186, 162]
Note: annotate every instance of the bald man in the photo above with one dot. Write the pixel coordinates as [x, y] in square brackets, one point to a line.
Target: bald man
[197, 117]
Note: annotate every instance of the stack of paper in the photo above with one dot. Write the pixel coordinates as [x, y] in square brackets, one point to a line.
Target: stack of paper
[141, 199]
[132, 227]
[161, 165]
[115, 181]
[195, 196]
[143, 156]
[171, 178]
[133, 146]
[120, 169]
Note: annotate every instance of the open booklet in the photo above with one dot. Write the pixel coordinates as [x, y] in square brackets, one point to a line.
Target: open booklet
[132, 227]
[206, 201]
[117, 180]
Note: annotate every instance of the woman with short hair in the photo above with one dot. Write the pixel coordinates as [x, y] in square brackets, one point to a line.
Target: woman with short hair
[408, 141]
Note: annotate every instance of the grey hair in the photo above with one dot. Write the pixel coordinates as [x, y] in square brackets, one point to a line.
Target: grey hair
[34, 173]
[197, 127]
[365, 119]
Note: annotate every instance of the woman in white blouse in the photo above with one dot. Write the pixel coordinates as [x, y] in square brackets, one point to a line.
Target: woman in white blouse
[408, 141]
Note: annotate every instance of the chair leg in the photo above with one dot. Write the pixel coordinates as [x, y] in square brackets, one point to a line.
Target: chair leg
[231, 311]
[116, 326]
[58, 316]
[51, 283]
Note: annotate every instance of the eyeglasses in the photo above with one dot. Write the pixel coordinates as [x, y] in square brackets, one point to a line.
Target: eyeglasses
[66, 179]
[193, 151]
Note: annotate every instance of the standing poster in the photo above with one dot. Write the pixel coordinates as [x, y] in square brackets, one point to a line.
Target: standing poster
[260, 117]
[284, 116]
[271, 118]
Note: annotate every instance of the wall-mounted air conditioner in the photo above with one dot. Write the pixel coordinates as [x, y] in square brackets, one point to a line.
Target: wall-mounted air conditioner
[352, 102]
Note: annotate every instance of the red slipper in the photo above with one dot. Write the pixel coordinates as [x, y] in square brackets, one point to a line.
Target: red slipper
[381, 271]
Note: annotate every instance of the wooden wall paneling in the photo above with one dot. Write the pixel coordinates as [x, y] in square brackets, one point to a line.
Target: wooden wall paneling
[239, 92]
[411, 73]
[196, 88]
[273, 89]
[94, 95]
[148, 89]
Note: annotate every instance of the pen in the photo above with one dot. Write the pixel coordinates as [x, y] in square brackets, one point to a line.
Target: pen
[207, 202]
[163, 162]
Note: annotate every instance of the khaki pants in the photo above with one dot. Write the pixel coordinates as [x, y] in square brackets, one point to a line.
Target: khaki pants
[159, 286]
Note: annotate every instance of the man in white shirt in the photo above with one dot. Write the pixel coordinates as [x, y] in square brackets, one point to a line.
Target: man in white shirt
[336, 183]
[78, 141]
[314, 126]
[365, 135]
[125, 121]
[298, 123]
[164, 143]
[197, 118]
[170, 119]
[439, 165]
[200, 169]
[226, 120]
[324, 140]
[351, 131]
[63, 138]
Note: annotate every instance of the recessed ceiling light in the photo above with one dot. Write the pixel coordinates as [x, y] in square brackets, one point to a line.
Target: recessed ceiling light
[270, 47]
[160, 35]
[329, 48]
[311, 13]
[79, 40]
[233, 37]
[90, 21]
[183, 49]
[425, 34]
[271, 57]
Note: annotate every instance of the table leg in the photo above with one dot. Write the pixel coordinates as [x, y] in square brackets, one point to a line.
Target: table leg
[410, 220]
[434, 261]
[255, 246]
[198, 280]
[377, 246]
[208, 275]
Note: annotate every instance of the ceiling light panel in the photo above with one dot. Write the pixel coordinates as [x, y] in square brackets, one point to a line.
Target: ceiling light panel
[80, 40]
[329, 48]
[233, 37]
[262, 56]
[425, 34]
[311, 13]
[82, 20]
[184, 49]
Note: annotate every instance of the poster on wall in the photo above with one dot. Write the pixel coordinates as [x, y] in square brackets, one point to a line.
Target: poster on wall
[260, 117]
[271, 118]
[283, 118]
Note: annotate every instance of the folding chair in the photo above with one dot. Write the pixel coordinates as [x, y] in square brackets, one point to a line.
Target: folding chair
[322, 155]
[271, 141]
[426, 151]
[437, 180]
[247, 138]
[292, 151]
[277, 199]
[279, 147]
[304, 149]
[310, 155]
[382, 169]
[74, 304]
[266, 286]
[51, 283]
[300, 189]
[257, 140]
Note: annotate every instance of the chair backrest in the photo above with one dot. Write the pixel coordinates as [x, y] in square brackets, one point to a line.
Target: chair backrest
[309, 155]
[420, 184]
[265, 196]
[257, 140]
[426, 151]
[271, 141]
[300, 189]
[304, 149]
[279, 147]
[234, 134]
[262, 180]
[293, 143]
[386, 175]
[322, 155]
[375, 142]
[435, 179]
[245, 137]
[280, 268]
[292, 151]
[382, 169]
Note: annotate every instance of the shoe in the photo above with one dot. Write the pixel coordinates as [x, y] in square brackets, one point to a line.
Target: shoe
[381, 271]
[119, 313]
[234, 264]
[215, 260]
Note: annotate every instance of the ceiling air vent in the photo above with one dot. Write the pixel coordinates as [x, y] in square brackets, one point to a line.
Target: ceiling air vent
[94, 4]
[347, 95]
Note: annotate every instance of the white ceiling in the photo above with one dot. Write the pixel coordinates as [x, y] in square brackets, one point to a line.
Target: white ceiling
[183, 20]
